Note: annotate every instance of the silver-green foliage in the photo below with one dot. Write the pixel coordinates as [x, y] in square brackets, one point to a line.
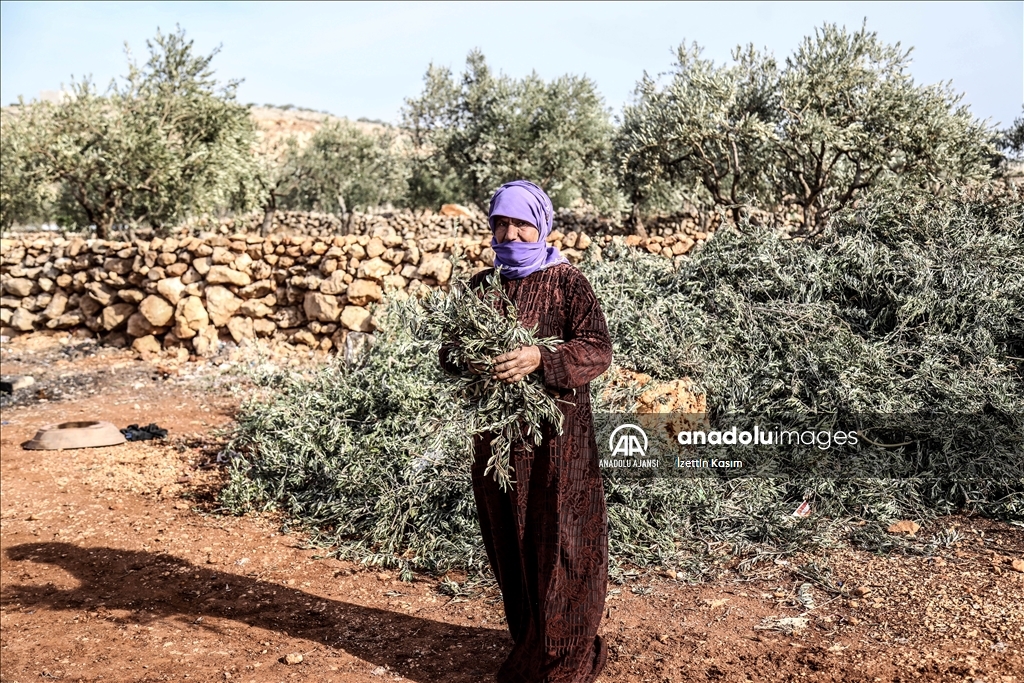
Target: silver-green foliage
[164, 142]
[473, 134]
[474, 327]
[25, 193]
[840, 115]
[341, 168]
[909, 305]
[347, 453]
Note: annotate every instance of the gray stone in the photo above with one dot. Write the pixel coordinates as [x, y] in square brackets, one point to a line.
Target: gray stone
[289, 317]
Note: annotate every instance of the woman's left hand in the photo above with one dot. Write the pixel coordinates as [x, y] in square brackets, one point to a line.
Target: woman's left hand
[513, 366]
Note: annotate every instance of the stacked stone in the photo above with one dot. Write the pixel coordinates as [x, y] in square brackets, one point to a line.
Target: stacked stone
[194, 292]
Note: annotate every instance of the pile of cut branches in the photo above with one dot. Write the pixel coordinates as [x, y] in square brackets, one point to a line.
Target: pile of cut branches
[906, 305]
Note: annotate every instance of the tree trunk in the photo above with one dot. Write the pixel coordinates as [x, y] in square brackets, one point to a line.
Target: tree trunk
[103, 228]
[635, 224]
[268, 220]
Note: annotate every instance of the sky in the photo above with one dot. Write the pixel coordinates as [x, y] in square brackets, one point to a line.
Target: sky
[360, 59]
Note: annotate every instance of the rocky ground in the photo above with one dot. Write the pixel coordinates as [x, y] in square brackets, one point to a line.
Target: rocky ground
[117, 566]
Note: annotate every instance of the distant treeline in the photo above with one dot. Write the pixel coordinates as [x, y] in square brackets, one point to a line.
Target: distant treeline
[800, 139]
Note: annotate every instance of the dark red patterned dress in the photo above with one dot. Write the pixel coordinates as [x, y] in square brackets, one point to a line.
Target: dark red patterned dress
[547, 536]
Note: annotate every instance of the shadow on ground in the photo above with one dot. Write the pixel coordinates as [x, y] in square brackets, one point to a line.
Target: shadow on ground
[155, 585]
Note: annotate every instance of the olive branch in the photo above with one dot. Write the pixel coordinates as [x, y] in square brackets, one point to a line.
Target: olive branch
[477, 326]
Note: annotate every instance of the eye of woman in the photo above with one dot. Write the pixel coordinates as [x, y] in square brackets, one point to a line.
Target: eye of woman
[509, 222]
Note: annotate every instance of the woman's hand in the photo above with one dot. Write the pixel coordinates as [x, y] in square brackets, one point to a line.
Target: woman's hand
[513, 366]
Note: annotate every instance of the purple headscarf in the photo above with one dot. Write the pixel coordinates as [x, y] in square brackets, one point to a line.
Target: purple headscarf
[523, 200]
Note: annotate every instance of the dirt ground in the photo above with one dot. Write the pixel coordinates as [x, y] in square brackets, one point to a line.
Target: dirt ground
[116, 566]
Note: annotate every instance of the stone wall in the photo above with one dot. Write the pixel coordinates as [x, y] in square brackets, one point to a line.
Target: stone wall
[197, 291]
[454, 220]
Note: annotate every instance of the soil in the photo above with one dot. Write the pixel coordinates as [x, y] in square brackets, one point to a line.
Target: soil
[117, 566]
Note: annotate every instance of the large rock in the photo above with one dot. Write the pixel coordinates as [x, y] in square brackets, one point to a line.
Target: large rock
[172, 289]
[131, 296]
[322, 307]
[206, 343]
[437, 267]
[190, 276]
[177, 269]
[147, 346]
[222, 255]
[260, 270]
[456, 210]
[157, 310]
[115, 315]
[221, 304]
[375, 247]
[202, 265]
[23, 320]
[139, 326]
[57, 305]
[18, 286]
[67, 321]
[256, 308]
[103, 294]
[223, 275]
[241, 329]
[190, 316]
[374, 269]
[335, 284]
[356, 319]
[263, 327]
[121, 266]
[90, 307]
[362, 292]
[257, 289]
[304, 337]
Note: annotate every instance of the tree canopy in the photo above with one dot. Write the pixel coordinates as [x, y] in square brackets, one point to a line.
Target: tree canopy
[472, 134]
[164, 142]
[839, 116]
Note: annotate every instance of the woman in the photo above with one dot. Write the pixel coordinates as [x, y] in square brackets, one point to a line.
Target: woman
[547, 536]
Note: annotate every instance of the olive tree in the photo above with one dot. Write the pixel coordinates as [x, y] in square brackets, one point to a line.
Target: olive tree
[1011, 140]
[840, 115]
[707, 135]
[472, 134]
[165, 141]
[25, 194]
[339, 168]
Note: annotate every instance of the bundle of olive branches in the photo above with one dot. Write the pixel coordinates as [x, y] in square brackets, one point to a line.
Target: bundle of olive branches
[476, 326]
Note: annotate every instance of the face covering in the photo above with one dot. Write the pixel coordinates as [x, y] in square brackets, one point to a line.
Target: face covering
[523, 200]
